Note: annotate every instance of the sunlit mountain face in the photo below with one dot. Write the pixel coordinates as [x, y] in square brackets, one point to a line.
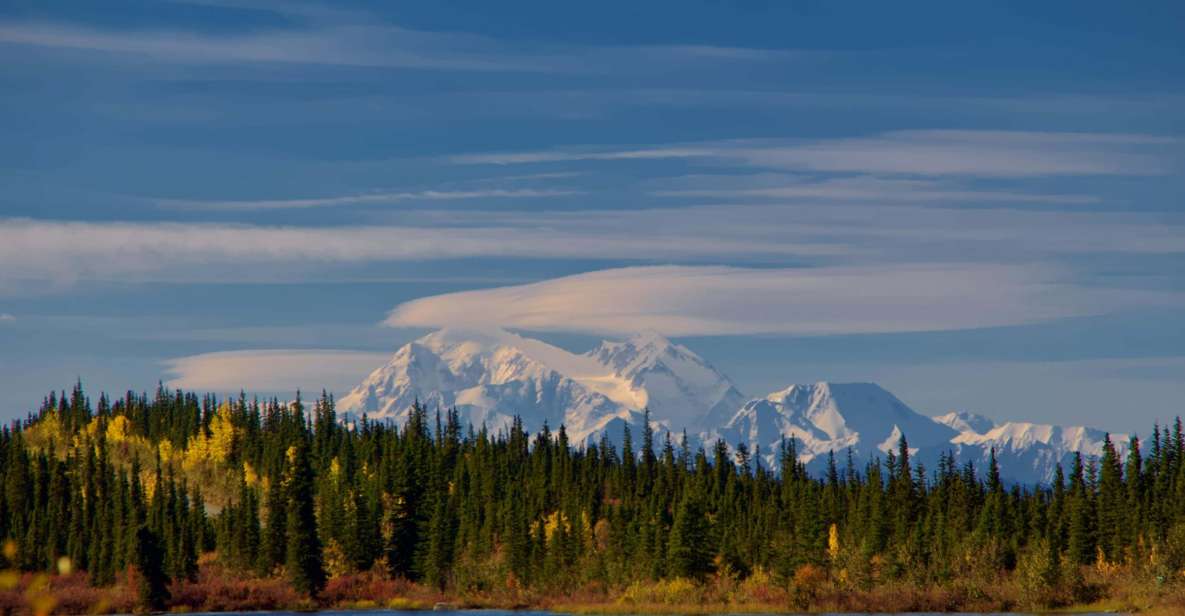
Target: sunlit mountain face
[490, 377]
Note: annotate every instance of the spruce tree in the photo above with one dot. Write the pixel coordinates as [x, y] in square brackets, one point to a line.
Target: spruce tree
[438, 558]
[689, 554]
[274, 545]
[442, 504]
[150, 564]
[303, 563]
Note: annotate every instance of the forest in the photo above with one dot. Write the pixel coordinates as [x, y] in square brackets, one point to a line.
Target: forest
[175, 500]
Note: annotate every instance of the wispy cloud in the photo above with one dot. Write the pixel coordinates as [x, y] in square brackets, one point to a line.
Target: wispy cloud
[815, 234]
[348, 45]
[376, 198]
[554, 156]
[272, 370]
[983, 153]
[6, 318]
[687, 301]
[68, 251]
[861, 188]
[342, 38]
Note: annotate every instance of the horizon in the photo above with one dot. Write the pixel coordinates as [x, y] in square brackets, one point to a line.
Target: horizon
[976, 208]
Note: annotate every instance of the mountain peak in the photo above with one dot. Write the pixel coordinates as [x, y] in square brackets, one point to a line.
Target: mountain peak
[649, 337]
[491, 376]
[680, 386]
[453, 336]
[831, 389]
[965, 421]
[830, 417]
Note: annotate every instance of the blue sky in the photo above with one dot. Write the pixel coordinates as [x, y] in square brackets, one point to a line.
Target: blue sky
[978, 206]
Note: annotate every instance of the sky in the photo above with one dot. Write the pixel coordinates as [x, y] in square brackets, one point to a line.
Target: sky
[976, 205]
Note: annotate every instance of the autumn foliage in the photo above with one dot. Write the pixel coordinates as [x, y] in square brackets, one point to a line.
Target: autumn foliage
[251, 505]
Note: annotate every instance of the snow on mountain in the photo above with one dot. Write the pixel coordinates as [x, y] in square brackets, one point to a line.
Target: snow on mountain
[832, 417]
[1029, 451]
[869, 421]
[1019, 435]
[680, 388]
[492, 376]
[965, 421]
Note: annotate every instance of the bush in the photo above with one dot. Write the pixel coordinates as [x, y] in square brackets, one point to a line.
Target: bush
[216, 590]
[1039, 576]
[369, 585]
[677, 591]
[1079, 588]
[808, 581]
[759, 588]
[1174, 549]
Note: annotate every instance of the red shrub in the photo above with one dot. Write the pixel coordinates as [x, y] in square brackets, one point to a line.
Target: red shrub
[368, 586]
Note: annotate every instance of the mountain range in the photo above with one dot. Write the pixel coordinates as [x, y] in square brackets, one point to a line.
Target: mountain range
[491, 377]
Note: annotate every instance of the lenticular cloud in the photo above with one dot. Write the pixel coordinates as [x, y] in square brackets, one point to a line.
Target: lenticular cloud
[689, 301]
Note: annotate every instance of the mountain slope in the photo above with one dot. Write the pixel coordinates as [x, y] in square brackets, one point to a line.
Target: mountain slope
[965, 421]
[680, 388]
[826, 417]
[492, 376]
[1030, 452]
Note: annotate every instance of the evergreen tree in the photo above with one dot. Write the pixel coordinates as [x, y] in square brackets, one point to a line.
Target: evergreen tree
[689, 553]
[274, 546]
[458, 507]
[154, 582]
[303, 563]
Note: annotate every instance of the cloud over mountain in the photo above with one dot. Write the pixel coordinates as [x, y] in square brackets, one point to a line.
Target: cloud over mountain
[696, 300]
[271, 370]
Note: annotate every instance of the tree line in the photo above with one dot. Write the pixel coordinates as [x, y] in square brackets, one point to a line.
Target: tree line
[151, 483]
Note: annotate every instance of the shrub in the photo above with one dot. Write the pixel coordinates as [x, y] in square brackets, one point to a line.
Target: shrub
[808, 581]
[675, 591]
[216, 590]
[760, 588]
[1038, 573]
[369, 585]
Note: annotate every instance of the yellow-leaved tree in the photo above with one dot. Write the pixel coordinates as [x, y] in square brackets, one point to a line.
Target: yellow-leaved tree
[205, 458]
[833, 541]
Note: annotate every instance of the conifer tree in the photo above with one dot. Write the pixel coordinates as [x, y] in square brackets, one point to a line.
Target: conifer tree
[689, 553]
[439, 504]
[274, 545]
[150, 557]
[303, 557]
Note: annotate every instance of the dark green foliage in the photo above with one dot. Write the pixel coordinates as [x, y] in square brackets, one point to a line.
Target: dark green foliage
[689, 553]
[458, 507]
[150, 557]
[303, 558]
[273, 549]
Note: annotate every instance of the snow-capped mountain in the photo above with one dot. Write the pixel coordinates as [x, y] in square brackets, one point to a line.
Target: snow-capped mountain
[492, 376]
[826, 417]
[869, 421]
[1029, 451]
[966, 421]
[680, 388]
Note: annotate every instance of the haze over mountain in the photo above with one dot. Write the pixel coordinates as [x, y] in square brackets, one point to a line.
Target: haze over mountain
[491, 376]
